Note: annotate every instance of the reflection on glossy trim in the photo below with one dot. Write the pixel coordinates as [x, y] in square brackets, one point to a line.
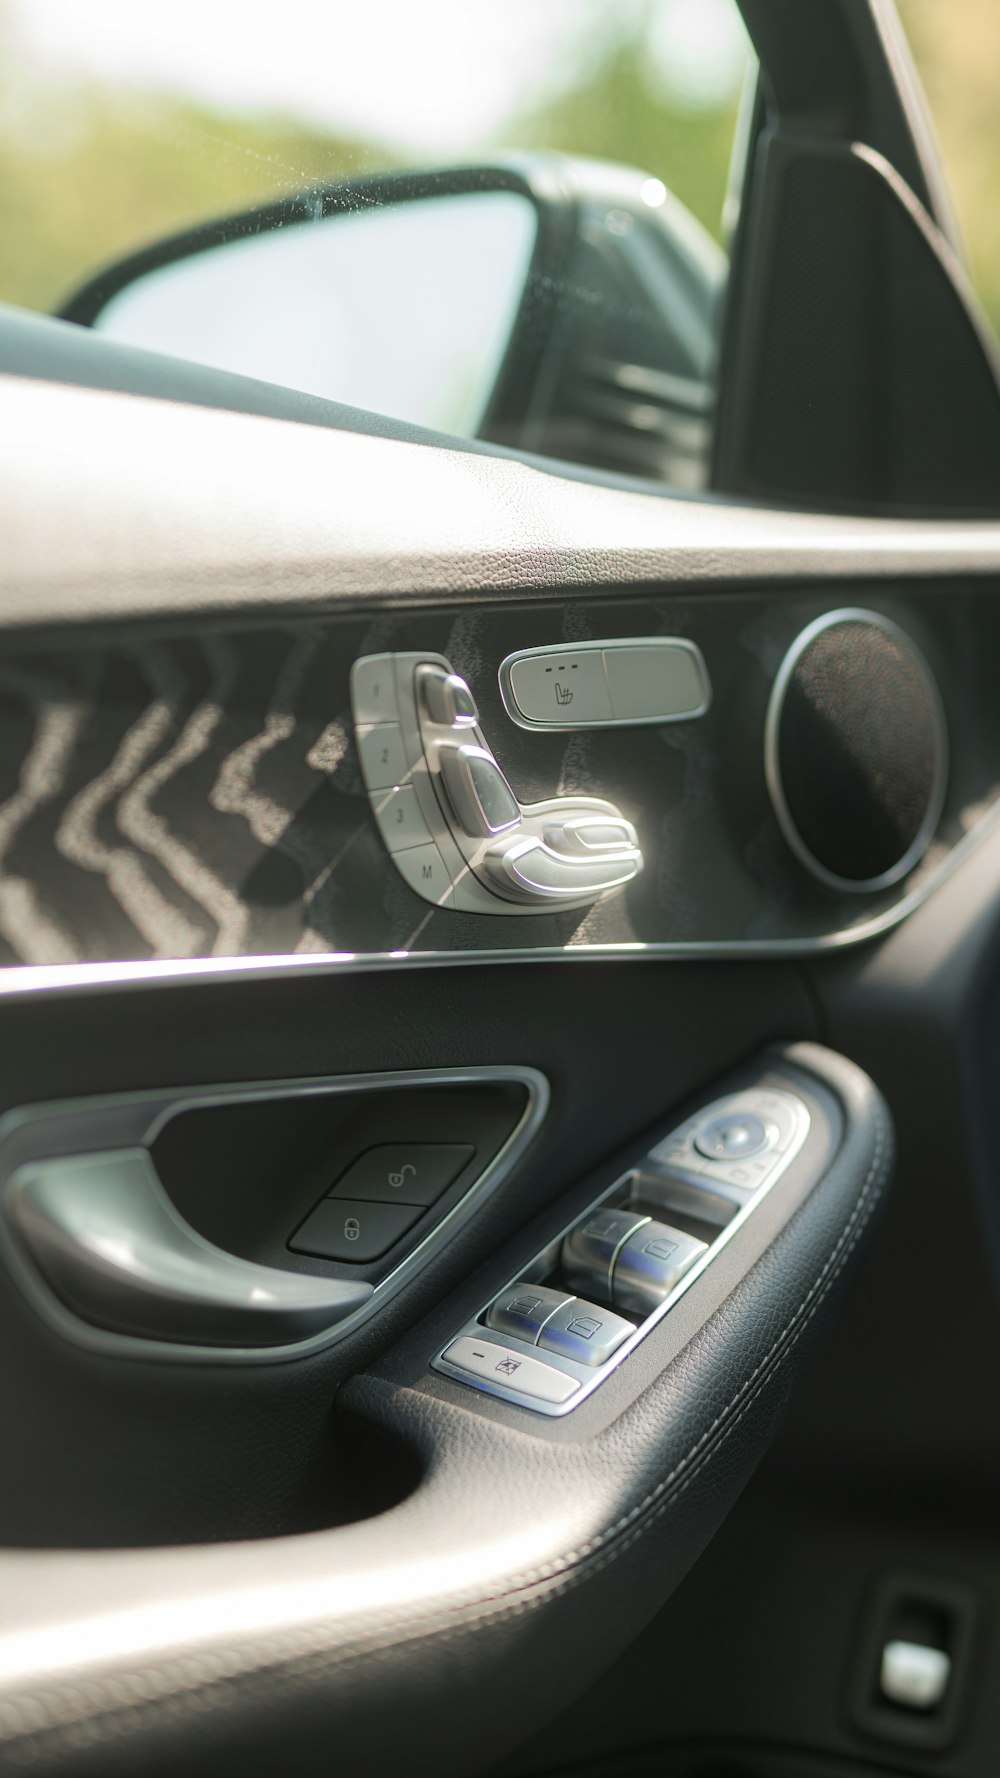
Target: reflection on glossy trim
[58, 978]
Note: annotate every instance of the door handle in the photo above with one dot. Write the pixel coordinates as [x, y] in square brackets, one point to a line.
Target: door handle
[111, 1245]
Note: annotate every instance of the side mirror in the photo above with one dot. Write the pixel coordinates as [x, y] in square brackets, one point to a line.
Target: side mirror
[565, 307]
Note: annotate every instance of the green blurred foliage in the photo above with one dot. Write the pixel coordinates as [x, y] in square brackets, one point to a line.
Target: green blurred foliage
[956, 46]
[106, 173]
[615, 112]
[88, 174]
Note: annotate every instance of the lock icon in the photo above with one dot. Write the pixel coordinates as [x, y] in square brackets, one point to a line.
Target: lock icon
[352, 1229]
[398, 1179]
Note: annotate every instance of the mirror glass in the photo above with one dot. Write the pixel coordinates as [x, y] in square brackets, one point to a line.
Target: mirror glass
[404, 309]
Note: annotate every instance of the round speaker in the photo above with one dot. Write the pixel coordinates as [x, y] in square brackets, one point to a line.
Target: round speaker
[856, 751]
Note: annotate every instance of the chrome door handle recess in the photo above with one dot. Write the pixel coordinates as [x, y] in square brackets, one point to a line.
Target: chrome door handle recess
[103, 1233]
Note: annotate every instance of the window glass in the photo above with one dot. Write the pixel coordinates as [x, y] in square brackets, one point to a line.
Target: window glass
[521, 203]
[956, 46]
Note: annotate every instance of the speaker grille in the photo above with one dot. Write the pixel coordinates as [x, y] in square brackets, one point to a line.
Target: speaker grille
[856, 751]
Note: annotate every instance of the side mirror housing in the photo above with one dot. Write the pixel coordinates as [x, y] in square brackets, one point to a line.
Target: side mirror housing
[565, 307]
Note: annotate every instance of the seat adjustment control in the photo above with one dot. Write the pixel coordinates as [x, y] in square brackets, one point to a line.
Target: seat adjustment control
[446, 698]
[439, 795]
[477, 789]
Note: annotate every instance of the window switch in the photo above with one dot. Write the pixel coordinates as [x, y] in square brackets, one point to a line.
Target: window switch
[650, 1264]
[585, 1332]
[525, 1309]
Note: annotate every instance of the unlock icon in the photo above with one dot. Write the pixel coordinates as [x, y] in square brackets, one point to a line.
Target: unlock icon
[398, 1179]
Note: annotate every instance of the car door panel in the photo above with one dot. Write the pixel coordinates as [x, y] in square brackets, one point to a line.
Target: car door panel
[360, 1541]
[501, 1526]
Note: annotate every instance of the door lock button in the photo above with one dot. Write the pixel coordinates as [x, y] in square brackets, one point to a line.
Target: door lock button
[404, 1172]
[582, 1331]
[353, 1229]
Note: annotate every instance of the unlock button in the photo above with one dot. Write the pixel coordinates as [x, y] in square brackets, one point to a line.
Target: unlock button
[404, 1172]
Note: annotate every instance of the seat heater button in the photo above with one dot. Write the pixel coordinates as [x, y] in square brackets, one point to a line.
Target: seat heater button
[404, 1172]
[349, 1228]
[508, 1369]
[373, 689]
[525, 1309]
[585, 1332]
[562, 689]
[649, 1265]
[913, 1675]
[589, 1249]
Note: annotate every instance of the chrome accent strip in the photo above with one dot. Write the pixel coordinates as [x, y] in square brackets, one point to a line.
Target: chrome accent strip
[145, 1115]
[58, 978]
[772, 769]
[516, 715]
